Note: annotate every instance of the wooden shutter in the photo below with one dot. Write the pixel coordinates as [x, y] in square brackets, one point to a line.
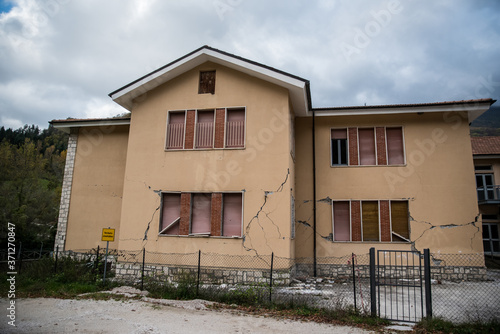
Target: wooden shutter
[369, 212]
[232, 209]
[200, 214]
[207, 82]
[205, 129]
[235, 128]
[171, 213]
[367, 147]
[399, 217]
[341, 221]
[395, 149]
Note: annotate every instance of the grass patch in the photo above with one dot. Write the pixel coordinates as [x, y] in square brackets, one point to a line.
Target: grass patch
[438, 325]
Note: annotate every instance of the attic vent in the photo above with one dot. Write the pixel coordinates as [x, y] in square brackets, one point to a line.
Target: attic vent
[207, 82]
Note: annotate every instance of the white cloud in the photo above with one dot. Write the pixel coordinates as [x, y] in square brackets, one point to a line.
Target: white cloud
[61, 58]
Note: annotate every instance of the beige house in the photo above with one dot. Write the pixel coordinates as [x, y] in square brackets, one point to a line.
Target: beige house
[225, 155]
[486, 152]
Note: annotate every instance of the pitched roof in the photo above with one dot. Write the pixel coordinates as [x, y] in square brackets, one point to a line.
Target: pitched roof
[485, 145]
[298, 88]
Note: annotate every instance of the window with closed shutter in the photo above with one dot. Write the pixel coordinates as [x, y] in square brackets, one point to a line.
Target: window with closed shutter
[341, 221]
[369, 219]
[395, 149]
[170, 214]
[200, 213]
[367, 147]
[399, 221]
[232, 214]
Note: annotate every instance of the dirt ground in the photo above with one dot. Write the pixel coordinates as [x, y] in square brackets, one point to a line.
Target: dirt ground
[48, 315]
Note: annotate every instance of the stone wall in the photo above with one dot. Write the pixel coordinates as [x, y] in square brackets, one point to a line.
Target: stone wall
[62, 221]
[132, 271]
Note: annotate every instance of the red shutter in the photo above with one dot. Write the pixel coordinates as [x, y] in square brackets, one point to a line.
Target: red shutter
[366, 147]
[395, 149]
[205, 129]
[232, 208]
[171, 212]
[235, 128]
[200, 214]
[341, 221]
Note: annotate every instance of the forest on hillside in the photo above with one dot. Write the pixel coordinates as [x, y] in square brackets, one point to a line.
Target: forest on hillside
[31, 172]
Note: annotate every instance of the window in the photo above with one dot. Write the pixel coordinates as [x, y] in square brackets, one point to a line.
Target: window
[200, 214]
[207, 82]
[235, 128]
[371, 221]
[341, 221]
[205, 214]
[232, 207]
[395, 148]
[399, 221]
[485, 187]
[491, 240]
[373, 146]
[170, 214]
[339, 147]
[205, 129]
[175, 130]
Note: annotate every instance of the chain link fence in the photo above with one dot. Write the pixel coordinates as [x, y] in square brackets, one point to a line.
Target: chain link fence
[463, 289]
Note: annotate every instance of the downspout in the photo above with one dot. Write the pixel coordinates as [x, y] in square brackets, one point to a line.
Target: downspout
[314, 189]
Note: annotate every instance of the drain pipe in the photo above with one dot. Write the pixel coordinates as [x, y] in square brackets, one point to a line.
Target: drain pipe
[314, 189]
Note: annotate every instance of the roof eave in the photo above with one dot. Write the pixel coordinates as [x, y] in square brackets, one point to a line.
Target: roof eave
[67, 125]
[297, 87]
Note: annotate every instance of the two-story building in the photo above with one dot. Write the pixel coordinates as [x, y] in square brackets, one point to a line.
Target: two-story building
[225, 155]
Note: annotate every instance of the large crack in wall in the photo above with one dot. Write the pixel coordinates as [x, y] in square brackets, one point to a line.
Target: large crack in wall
[247, 241]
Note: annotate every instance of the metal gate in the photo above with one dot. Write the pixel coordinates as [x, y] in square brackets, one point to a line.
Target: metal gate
[397, 283]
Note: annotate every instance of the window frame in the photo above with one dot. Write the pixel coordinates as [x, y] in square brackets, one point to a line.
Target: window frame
[167, 132]
[349, 201]
[227, 110]
[195, 235]
[346, 148]
[385, 127]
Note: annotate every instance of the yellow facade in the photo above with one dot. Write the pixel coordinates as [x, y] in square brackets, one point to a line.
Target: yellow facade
[122, 171]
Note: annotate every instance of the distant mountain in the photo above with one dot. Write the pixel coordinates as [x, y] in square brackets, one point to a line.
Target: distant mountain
[488, 124]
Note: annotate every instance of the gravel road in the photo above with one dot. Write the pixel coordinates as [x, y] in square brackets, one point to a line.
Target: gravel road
[48, 315]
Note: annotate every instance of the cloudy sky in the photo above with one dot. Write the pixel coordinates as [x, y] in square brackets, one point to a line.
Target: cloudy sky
[61, 58]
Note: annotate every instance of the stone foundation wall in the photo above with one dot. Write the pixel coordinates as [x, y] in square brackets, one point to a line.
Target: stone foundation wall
[133, 271]
[344, 272]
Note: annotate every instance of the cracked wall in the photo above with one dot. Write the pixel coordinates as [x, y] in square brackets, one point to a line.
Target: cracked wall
[96, 193]
[437, 180]
[263, 170]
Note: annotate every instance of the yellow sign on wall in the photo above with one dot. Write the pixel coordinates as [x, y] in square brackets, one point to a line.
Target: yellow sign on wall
[108, 234]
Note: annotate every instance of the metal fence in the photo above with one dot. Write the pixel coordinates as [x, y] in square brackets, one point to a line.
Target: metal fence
[462, 289]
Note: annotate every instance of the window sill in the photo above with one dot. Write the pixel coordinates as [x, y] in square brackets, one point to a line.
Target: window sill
[357, 166]
[199, 236]
[202, 149]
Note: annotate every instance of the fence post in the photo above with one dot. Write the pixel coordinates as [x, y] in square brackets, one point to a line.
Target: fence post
[198, 280]
[55, 263]
[142, 271]
[271, 278]
[354, 281]
[427, 278]
[373, 290]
